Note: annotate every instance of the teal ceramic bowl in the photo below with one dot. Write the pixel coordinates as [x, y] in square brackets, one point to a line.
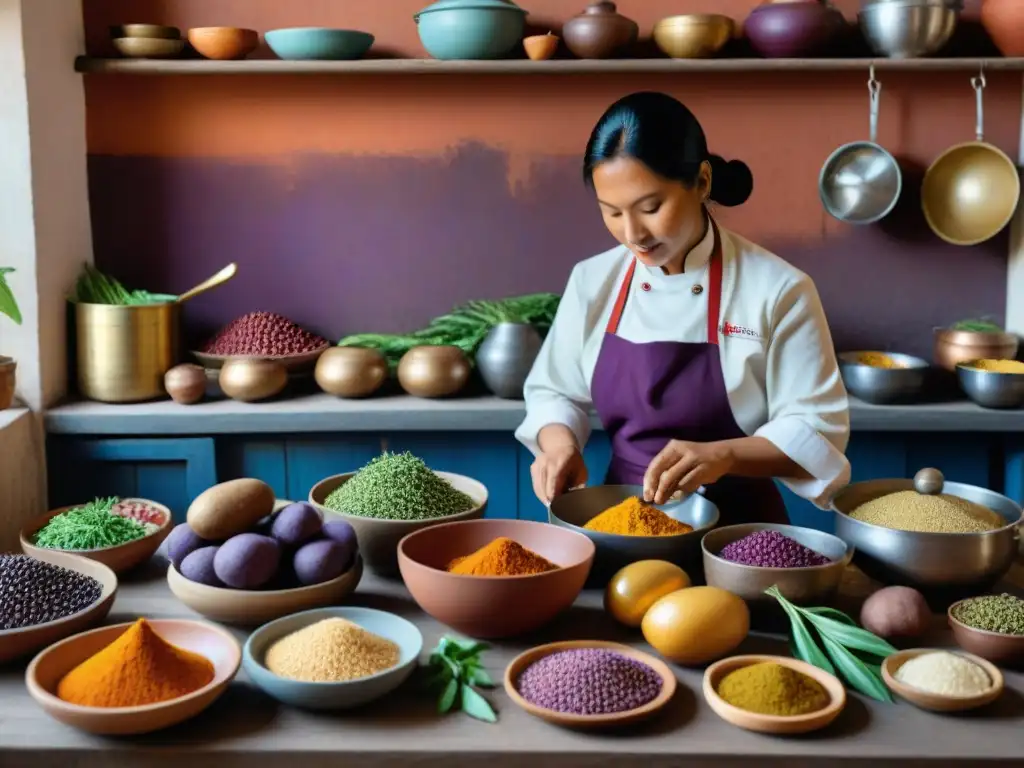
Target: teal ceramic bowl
[344, 695]
[471, 29]
[318, 43]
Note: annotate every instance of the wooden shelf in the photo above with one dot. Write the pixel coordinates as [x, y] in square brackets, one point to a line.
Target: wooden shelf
[90, 65]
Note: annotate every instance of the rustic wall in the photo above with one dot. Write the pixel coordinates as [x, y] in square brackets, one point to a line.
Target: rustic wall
[360, 203]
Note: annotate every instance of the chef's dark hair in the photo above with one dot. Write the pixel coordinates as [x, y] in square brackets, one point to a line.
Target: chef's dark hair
[663, 134]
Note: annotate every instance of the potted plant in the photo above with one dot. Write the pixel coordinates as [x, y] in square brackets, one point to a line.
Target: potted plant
[9, 307]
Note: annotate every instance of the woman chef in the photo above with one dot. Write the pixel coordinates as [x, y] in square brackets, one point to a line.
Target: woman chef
[707, 359]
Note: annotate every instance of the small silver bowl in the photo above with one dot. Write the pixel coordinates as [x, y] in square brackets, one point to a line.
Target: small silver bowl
[991, 389]
[577, 508]
[908, 29]
[881, 386]
[814, 585]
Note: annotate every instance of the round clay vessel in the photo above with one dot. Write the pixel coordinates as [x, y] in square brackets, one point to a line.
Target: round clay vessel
[250, 379]
[186, 383]
[599, 32]
[1004, 22]
[540, 47]
[8, 368]
[791, 30]
[351, 371]
[433, 371]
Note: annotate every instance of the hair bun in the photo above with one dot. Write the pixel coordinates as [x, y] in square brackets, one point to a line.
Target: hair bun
[731, 181]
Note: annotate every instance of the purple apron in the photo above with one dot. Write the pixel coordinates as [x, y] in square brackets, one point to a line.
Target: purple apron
[647, 394]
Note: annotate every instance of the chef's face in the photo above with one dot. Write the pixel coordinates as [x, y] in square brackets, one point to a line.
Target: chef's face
[658, 219]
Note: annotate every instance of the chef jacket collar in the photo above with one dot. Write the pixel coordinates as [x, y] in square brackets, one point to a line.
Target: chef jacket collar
[695, 263]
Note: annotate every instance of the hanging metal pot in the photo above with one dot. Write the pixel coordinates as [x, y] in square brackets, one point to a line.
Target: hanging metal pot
[971, 191]
[861, 182]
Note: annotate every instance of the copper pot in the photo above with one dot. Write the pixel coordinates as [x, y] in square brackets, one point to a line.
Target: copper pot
[599, 32]
[433, 371]
[954, 347]
[1004, 22]
[351, 371]
[792, 29]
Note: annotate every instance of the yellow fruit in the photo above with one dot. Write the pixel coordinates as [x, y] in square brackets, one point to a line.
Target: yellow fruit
[696, 625]
[638, 586]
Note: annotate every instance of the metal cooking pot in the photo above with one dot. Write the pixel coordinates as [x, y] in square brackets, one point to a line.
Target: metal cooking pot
[861, 182]
[971, 191]
[929, 560]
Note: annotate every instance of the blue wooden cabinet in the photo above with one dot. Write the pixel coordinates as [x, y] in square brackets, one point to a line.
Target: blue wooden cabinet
[174, 471]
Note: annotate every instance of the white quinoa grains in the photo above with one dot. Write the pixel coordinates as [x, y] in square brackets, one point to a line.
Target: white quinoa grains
[943, 513]
[945, 674]
[331, 651]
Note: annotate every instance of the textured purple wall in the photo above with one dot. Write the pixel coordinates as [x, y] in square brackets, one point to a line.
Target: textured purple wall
[345, 244]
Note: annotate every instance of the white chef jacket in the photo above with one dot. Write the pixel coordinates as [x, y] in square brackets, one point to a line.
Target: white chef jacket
[778, 362]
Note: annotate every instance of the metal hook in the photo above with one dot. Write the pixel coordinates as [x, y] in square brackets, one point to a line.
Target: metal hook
[873, 85]
[979, 82]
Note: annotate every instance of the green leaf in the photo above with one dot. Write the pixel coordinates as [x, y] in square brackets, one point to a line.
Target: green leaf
[475, 705]
[480, 678]
[856, 673]
[850, 636]
[8, 304]
[831, 613]
[437, 676]
[447, 700]
[801, 641]
[471, 650]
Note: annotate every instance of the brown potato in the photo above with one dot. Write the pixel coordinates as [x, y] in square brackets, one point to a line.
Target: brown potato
[230, 508]
[896, 612]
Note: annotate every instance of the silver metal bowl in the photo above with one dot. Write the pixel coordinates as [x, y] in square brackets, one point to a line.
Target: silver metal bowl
[860, 183]
[925, 560]
[576, 508]
[884, 385]
[990, 389]
[815, 585]
[904, 30]
[957, 5]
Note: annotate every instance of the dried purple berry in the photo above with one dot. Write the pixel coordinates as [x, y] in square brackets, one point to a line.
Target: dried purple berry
[588, 681]
[771, 549]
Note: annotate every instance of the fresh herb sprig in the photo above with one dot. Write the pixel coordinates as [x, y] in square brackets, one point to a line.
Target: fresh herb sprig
[846, 650]
[94, 287]
[455, 671]
[8, 304]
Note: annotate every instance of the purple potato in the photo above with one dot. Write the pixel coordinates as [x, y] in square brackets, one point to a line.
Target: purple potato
[285, 577]
[341, 532]
[181, 542]
[321, 561]
[198, 567]
[247, 561]
[296, 524]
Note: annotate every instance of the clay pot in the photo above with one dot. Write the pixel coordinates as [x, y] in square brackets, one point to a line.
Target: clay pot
[8, 368]
[1004, 22]
[599, 32]
[186, 383]
[792, 30]
[955, 347]
[351, 371]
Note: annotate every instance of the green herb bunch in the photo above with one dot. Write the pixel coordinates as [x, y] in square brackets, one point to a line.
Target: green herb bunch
[464, 327]
[978, 325]
[90, 526]
[455, 671]
[94, 287]
[8, 304]
[851, 653]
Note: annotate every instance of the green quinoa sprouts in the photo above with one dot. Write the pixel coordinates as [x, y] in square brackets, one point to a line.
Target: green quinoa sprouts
[398, 486]
[90, 526]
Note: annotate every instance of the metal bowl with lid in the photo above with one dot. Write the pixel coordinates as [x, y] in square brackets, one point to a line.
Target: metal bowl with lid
[929, 560]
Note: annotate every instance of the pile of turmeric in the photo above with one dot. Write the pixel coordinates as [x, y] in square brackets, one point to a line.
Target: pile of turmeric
[502, 557]
[634, 518]
[998, 366]
[138, 668]
[878, 360]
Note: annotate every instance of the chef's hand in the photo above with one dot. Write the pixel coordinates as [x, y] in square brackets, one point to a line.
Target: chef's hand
[556, 471]
[685, 466]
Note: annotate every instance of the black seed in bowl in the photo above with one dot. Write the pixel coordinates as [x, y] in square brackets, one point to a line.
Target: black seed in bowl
[34, 592]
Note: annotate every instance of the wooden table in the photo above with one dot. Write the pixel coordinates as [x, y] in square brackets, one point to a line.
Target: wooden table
[246, 729]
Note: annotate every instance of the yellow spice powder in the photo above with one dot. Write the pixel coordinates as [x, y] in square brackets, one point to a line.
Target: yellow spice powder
[998, 366]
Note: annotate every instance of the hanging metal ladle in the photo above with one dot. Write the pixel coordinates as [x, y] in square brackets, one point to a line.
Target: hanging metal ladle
[861, 182]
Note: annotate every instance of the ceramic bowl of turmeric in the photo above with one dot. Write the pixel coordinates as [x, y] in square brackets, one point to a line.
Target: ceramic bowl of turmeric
[884, 377]
[625, 530]
[134, 678]
[495, 578]
[993, 383]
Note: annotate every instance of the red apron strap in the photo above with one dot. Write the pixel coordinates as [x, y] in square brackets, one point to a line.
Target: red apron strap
[714, 290]
[620, 301]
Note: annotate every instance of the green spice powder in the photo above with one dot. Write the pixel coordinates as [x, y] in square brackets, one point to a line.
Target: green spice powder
[994, 613]
[91, 526]
[398, 486]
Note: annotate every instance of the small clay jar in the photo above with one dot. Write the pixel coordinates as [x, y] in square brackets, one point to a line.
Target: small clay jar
[1004, 22]
[600, 32]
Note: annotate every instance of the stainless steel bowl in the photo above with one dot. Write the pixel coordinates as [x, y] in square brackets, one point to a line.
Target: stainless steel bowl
[929, 560]
[860, 183]
[576, 508]
[990, 389]
[815, 585]
[904, 30]
[954, 4]
[884, 385]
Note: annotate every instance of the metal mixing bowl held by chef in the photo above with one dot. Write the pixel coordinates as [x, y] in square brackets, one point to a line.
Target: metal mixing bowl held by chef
[929, 560]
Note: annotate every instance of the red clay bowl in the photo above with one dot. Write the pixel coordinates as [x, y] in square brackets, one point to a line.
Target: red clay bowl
[493, 606]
